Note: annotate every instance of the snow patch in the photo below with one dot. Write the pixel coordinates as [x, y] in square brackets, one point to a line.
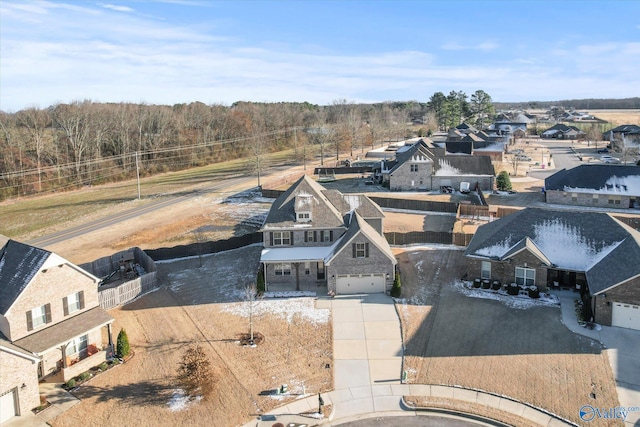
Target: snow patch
[496, 250]
[179, 401]
[287, 309]
[615, 185]
[519, 302]
[446, 169]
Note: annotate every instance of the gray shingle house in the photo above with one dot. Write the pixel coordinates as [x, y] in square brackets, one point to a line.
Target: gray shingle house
[562, 131]
[605, 186]
[318, 239]
[420, 167]
[591, 252]
[49, 312]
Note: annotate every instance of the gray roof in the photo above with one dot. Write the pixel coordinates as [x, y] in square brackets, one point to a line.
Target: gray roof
[607, 250]
[357, 225]
[468, 165]
[63, 332]
[19, 263]
[593, 177]
[347, 202]
[633, 129]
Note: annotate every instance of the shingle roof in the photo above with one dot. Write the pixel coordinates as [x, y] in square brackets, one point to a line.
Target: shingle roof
[357, 225]
[468, 165]
[362, 204]
[65, 331]
[604, 248]
[633, 129]
[19, 263]
[594, 177]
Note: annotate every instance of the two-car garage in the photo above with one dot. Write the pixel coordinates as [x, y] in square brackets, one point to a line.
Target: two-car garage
[360, 283]
[625, 315]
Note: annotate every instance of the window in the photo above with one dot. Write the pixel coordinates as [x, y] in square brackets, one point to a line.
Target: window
[281, 238]
[283, 269]
[304, 216]
[307, 267]
[325, 236]
[73, 302]
[361, 250]
[614, 200]
[77, 345]
[309, 236]
[595, 197]
[414, 168]
[485, 272]
[38, 316]
[574, 197]
[525, 276]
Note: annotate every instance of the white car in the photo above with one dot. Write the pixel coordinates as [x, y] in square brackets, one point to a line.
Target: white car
[609, 159]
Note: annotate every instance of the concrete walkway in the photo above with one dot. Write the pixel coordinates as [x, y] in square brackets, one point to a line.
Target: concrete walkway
[623, 351]
[60, 399]
[367, 346]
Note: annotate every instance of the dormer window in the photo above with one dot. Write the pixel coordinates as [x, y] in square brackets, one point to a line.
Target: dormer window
[304, 216]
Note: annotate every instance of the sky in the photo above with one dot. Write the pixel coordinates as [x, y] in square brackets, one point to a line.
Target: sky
[220, 52]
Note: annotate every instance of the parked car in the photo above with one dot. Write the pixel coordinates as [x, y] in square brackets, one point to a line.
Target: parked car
[523, 158]
[609, 159]
[465, 187]
[603, 150]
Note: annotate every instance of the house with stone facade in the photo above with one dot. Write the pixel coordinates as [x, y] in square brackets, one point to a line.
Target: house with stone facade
[623, 137]
[590, 252]
[49, 312]
[604, 186]
[423, 168]
[325, 241]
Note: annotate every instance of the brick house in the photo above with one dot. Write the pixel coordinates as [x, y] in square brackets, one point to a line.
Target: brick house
[623, 137]
[18, 381]
[316, 238]
[49, 309]
[562, 131]
[591, 252]
[604, 186]
[424, 168]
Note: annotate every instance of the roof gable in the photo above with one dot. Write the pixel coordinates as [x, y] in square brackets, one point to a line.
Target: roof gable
[358, 226]
[19, 263]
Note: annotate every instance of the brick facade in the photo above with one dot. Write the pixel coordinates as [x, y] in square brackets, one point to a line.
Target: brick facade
[505, 271]
[18, 370]
[617, 201]
[412, 175]
[602, 306]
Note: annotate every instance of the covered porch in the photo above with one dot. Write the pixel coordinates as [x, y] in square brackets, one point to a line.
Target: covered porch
[295, 269]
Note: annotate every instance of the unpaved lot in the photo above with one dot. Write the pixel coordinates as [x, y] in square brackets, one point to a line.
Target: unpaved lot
[510, 348]
[204, 305]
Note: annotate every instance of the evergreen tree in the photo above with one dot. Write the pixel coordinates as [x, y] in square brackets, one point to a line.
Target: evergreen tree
[122, 345]
[503, 182]
[194, 373]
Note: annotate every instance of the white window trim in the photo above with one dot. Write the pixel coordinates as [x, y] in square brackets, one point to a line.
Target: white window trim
[483, 270]
[361, 251]
[73, 306]
[282, 269]
[279, 238]
[76, 345]
[39, 318]
[527, 272]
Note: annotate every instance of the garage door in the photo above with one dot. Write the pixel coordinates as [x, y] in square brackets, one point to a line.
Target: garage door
[626, 315]
[7, 405]
[360, 283]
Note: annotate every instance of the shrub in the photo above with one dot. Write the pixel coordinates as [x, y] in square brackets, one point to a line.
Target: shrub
[503, 182]
[195, 373]
[534, 293]
[71, 383]
[513, 289]
[84, 376]
[122, 345]
[260, 282]
[396, 290]
[103, 366]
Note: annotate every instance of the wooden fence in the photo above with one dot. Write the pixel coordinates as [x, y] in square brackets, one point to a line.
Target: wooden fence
[417, 237]
[203, 248]
[110, 297]
[415, 205]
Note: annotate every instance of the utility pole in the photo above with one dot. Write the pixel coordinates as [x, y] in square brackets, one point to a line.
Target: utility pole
[138, 175]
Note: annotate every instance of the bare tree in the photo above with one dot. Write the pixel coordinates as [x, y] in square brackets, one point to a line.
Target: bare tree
[36, 122]
[73, 120]
[252, 299]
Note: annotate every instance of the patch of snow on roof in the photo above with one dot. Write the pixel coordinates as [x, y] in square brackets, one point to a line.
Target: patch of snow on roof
[446, 169]
[496, 250]
[496, 146]
[566, 247]
[353, 200]
[615, 185]
[288, 309]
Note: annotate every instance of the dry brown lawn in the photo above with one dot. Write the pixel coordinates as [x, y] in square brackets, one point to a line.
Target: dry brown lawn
[524, 354]
[193, 307]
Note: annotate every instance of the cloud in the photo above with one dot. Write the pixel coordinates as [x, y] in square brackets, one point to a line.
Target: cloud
[483, 46]
[116, 8]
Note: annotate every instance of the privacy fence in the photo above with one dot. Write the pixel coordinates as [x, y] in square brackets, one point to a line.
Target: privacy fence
[129, 287]
[202, 248]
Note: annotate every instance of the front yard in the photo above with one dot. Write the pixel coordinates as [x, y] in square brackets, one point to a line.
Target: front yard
[521, 351]
[201, 305]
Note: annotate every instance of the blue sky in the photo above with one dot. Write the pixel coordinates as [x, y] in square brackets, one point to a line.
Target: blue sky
[174, 51]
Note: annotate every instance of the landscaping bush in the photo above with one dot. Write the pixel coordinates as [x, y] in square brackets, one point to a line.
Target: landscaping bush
[85, 376]
[396, 290]
[534, 293]
[513, 289]
[503, 182]
[260, 282]
[71, 383]
[122, 346]
[103, 366]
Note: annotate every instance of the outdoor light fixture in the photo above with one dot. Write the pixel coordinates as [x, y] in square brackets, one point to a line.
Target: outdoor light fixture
[23, 386]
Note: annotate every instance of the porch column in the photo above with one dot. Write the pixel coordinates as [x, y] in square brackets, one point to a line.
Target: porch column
[264, 272]
[297, 266]
[63, 350]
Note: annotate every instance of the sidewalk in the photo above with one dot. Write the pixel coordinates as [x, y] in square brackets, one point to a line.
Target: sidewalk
[623, 351]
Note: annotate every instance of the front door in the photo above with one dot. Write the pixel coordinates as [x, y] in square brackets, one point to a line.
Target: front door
[320, 270]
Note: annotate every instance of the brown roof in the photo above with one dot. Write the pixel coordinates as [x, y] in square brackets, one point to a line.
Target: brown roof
[63, 332]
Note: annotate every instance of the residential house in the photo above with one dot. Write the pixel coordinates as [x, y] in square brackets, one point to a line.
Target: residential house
[623, 137]
[420, 167]
[562, 131]
[605, 186]
[478, 144]
[18, 381]
[319, 239]
[49, 309]
[591, 252]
